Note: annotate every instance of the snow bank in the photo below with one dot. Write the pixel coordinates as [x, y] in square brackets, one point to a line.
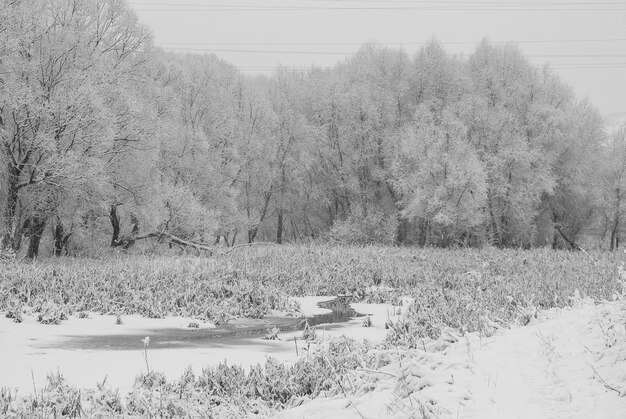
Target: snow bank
[569, 363]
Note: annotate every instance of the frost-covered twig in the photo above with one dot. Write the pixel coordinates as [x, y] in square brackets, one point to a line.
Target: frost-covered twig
[377, 372]
[607, 385]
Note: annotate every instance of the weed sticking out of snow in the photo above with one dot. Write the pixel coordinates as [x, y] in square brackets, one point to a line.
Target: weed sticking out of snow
[15, 312]
[146, 344]
[272, 334]
[308, 333]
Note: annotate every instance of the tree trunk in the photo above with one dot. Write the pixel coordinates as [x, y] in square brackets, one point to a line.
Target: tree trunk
[10, 223]
[294, 231]
[115, 223]
[252, 234]
[421, 241]
[402, 230]
[60, 240]
[496, 237]
[614, 238]
[615, 228]
[279, 228]
[255, 230]
[135, 223]
[36, 228]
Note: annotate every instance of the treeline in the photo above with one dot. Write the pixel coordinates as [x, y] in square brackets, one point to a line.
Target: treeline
[107, 140]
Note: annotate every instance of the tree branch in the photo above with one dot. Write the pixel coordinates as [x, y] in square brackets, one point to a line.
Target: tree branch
[173, 239]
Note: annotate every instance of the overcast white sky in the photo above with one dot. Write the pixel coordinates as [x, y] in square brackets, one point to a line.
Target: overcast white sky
[584, 40]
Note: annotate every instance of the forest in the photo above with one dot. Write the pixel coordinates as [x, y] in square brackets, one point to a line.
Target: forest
[110, 142]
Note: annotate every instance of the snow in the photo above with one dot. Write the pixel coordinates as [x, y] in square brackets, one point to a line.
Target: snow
[30, 350]
[30, 346]
[309, 305]
[569, 363]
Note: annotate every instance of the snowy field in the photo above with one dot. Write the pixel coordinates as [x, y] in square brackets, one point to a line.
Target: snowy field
[567, 363]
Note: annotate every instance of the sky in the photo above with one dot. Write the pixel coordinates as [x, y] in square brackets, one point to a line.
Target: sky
[583, 40]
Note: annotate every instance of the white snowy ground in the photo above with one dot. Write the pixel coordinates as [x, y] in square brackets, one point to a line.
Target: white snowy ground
[30, 350]
[569, 363]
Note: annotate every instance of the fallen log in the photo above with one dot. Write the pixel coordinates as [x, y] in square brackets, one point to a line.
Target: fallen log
[126, 242]
[569, 241]
[249, 244]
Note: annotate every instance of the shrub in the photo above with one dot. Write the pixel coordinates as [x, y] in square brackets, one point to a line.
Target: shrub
[374, 227]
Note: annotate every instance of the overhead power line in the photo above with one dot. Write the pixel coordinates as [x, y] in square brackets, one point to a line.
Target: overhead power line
[294, 44]
[525, 3]
[346, 53]
[576, 55]
[386, 6]
[589, 65]
[568, 66]
[265, 51]
[381, 9]
[617, 64]
[499, 4]
[216, 47]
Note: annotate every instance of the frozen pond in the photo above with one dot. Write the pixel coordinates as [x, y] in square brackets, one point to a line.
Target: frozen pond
[87, 351]
[336, 310]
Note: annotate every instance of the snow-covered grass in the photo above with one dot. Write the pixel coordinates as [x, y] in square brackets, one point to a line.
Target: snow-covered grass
[436, 310]
[32, 346]
[227, 378]
[567, 363]
[454, 288]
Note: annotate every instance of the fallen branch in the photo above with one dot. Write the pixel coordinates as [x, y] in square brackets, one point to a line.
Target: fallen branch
[573, 244]
[569, 241]
[174, 239]
[249, 244]
[127, 241]
[377, 372]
